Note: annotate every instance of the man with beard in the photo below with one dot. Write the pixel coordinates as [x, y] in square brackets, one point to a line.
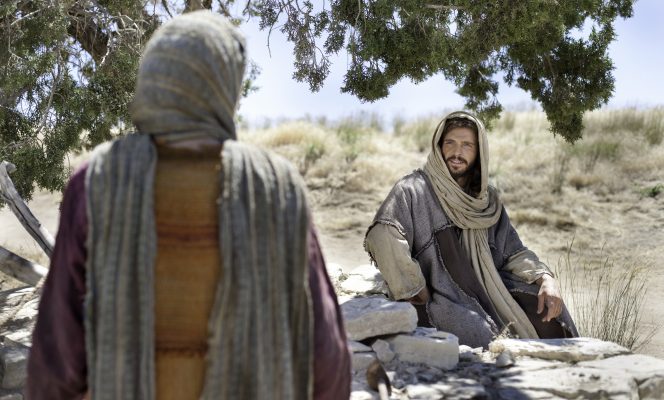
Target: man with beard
[443, 241]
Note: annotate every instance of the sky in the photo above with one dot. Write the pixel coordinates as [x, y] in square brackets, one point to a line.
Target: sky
[636, 53]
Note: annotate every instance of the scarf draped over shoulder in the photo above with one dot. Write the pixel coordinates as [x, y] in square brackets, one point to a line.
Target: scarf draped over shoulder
[474, 215]
[260, 327]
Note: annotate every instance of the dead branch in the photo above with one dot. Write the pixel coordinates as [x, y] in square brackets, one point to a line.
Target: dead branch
[21, 269]
[21, 210]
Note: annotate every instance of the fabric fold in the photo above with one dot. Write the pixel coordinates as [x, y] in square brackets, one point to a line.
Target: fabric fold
[475, 215]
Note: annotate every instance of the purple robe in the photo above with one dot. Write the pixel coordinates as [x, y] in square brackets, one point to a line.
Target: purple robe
[57, 367]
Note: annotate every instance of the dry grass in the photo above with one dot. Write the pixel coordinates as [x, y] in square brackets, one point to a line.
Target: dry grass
[348, 166]
[606, 190]
[602, 190]
[606, 300]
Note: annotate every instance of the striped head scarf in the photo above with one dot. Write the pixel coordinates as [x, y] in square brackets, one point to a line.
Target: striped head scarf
[260, 327]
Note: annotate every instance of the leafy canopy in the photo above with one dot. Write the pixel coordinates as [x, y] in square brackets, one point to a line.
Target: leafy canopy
[68, 67]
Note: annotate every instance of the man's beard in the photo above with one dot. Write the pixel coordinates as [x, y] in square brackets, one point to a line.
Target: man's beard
[458, 173]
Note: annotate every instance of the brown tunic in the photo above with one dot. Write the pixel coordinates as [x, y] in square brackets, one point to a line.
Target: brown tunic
[186, 217]
[186, 268]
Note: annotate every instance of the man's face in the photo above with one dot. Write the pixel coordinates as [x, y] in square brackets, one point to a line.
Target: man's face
[459, 150]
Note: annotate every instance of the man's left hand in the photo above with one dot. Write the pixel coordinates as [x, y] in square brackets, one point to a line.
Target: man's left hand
[549, 295]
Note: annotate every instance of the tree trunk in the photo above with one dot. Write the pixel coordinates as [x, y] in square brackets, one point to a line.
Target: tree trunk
[21, 210]
[19, 268]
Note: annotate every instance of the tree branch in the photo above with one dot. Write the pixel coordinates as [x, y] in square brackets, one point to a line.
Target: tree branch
[85, 31]
[21, 269]
[21, 210]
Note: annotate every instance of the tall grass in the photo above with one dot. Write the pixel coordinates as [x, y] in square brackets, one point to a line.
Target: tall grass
[632, 121]
[606, 300]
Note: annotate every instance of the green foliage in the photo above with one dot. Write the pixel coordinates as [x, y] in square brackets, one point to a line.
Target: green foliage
[652, 191]
[313, 152]
[353, 132]
[69, 67]
[66, 68]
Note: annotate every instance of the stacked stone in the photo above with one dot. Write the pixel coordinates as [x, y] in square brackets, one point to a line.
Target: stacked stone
[18, 312]
[420, 363]
[425, 364]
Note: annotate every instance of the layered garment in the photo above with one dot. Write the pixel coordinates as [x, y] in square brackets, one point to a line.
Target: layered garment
[57, 368]
[472, 295]
[250, 328]
[414, 244]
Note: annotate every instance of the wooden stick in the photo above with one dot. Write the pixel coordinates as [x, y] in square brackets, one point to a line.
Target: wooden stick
[18, 267]
[21, 210]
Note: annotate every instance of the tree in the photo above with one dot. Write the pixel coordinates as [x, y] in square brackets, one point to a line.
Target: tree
[68, 67]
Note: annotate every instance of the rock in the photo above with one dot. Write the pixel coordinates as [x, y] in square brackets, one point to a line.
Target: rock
[647, 371]
[357, 347]
[336, 274]
[364, 280]
[567, 350]
[522, 366]
[383, 351]
[573, 383]
[468, 354]
[29, 310]
[11, 396]
[427, 346]
[13, 364]
[421, 391]
[361, 361]
[505, 359]
[376, 316]
[465, 389]
[451, 389]
[652, 389]
[640, 366]
[511, 394]
[22, 335]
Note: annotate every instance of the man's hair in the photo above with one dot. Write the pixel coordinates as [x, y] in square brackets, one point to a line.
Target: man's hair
[474, 184]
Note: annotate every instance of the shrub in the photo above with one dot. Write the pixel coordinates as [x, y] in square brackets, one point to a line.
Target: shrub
[606, 300]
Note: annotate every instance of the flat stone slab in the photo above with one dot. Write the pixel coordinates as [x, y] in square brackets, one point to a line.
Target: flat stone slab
[364, 280]
[357, 347]
[640, 366]
[13, 366]
[383, 351]
[648, 372]
[376, 316]
[427, 346]
[566, 350]
[572, 383]
[361, 361]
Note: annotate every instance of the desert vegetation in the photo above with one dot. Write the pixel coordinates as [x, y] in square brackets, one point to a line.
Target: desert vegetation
[603, 194]
[593, 211]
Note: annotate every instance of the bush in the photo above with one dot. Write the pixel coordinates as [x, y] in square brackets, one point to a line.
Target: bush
[605, 300]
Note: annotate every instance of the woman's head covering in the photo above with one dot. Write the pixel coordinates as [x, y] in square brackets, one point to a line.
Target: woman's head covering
[260, 342]
[190, 79]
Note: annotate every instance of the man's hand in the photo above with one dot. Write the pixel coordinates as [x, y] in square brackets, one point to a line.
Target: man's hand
[549, 295]
[421, 298]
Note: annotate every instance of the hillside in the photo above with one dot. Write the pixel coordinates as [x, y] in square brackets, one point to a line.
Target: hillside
[598, 204]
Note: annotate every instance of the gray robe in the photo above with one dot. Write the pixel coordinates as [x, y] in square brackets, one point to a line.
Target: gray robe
[402, 241]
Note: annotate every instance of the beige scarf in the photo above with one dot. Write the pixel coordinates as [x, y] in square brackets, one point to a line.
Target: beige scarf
[474, 215]
[260, 328]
